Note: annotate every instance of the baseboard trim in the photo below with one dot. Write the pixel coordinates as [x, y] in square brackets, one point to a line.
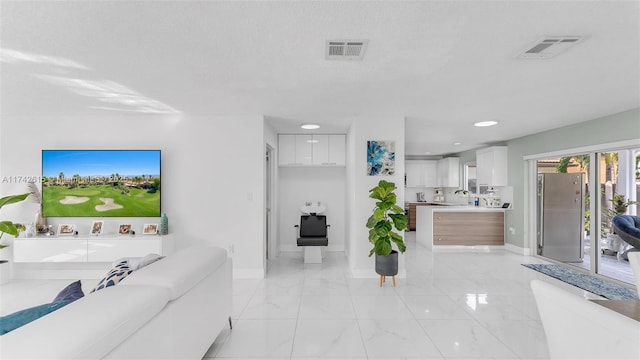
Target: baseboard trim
[517, 249]
[248, 273]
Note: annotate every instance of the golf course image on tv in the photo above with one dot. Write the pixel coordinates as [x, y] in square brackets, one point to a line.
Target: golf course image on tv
[101, 183]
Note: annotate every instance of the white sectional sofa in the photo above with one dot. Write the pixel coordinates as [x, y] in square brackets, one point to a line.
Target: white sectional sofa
[171, 309]
[577, 328]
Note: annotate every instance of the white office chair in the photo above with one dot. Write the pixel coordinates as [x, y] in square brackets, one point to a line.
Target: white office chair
[634, 261]
[577, 328]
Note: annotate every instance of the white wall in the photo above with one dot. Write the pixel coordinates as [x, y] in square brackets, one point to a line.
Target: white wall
[212, 171]
[359, 183]
[301, 184]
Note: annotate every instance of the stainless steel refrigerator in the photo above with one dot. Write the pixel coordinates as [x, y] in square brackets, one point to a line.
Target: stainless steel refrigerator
[561, 216]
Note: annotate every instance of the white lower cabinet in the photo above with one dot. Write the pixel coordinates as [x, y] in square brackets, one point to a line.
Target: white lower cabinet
[92, 249]
[49, 250]
[110, 250]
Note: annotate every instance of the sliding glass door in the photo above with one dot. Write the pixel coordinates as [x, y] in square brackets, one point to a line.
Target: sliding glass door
[576, 197]
[618, 184]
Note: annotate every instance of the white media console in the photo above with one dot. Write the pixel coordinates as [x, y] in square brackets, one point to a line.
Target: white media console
[71, 257]
[88, 248]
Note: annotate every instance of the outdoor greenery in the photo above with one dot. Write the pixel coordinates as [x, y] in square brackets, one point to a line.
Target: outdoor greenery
[386, 221]
[618, 202]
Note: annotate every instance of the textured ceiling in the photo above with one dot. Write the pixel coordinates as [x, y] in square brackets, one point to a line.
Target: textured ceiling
[442, 65]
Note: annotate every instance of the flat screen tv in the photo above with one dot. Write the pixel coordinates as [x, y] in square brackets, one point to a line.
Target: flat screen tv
[101, 183]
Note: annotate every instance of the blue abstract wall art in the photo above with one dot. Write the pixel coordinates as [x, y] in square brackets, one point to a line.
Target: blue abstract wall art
[381, 157]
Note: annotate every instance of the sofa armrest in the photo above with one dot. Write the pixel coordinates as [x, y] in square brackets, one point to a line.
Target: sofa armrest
[89, 328]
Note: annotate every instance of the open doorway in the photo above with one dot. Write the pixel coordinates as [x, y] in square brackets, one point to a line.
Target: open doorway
[270, 245]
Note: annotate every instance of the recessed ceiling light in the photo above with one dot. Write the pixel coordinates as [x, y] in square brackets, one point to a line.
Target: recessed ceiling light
[427, 152]
[310, 126]
[457, 143]
[485, 123]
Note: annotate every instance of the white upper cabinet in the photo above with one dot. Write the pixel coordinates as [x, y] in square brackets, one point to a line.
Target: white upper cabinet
[337, 150]
[304, 150]
[311, 150]
[491, 166]
[421, 173]
[287, 150]
[448, 172]
[320, 149]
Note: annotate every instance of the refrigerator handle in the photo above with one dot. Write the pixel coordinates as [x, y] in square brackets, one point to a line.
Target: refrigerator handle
[540, 211]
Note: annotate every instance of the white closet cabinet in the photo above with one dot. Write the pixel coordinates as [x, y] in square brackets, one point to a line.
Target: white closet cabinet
[337, 150]
[311, 150]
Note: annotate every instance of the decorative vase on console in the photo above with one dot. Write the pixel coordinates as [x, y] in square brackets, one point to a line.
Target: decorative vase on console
[164, 225]
[41, 223]
[36, 197]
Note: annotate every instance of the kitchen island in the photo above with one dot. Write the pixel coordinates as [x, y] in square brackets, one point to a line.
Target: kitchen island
[439, 226]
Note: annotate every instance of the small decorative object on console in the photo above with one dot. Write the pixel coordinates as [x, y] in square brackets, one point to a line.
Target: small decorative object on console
[150, 229]
[66, 229]
[124, 229]
[96, 227]
[164, 225]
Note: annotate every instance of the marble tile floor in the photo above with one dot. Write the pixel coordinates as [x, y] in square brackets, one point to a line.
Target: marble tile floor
[459, 304]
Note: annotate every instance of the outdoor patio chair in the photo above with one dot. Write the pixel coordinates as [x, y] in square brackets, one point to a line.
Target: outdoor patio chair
[628, 228]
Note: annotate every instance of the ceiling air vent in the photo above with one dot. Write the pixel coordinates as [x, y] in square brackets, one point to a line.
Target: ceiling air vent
[549, 46]
[345, 49]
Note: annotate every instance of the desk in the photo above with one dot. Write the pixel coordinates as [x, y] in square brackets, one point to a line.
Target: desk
[629, 308]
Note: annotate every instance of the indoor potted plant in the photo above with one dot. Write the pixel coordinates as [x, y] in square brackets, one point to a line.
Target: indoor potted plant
[11, 229]
[384, 224]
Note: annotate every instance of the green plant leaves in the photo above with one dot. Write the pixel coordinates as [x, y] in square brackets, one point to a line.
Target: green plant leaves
[400, 221]
[399, 241]
[9, 228]
[12, 199]
[383, 248]
[386, 217]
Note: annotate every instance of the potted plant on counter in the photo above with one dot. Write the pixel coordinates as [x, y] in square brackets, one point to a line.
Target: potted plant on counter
[384, 225]
[10, 228]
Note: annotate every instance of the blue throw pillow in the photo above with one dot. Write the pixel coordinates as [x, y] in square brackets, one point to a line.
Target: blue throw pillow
[114, 276]
[19, 318]
[71, 293]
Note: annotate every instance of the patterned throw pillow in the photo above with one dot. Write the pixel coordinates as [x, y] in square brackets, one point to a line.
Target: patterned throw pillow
[115, 275]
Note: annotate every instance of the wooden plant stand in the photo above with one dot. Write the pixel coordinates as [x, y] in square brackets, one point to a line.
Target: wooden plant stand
[383, 278]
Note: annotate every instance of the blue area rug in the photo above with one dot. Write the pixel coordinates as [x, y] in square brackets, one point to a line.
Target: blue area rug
[592, 284]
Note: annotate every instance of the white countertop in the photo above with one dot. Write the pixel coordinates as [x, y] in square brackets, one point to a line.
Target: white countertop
[462, 208]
